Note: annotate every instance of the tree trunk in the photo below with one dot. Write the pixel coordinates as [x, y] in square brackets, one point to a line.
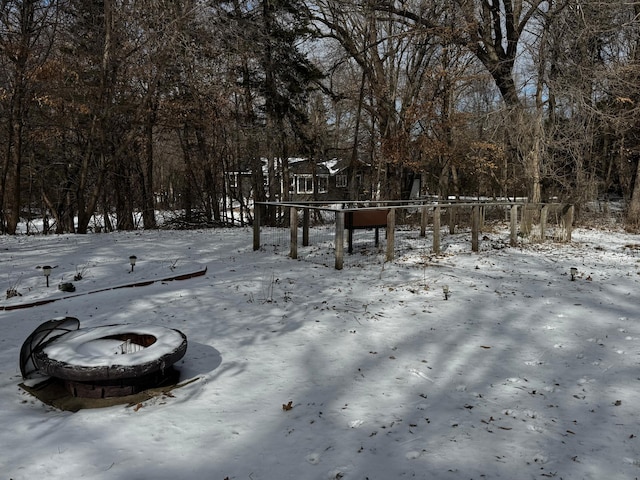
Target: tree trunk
[148, 197]
[124, 207]
[19, 54]
[633, 212]
[12, 183]
[534, 159]
[353, 162]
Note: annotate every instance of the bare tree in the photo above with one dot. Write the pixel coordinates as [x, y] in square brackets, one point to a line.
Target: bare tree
[592, 77]
[27, 30]
[493, 30]
[394, 61]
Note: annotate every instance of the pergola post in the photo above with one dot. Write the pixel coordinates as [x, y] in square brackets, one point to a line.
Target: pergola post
[544, 214]
[256, 227]
[424, 219]
[339, 240]
[567, 219]
[305, 227]
[293, 224]
[436, 230]
[514, 225]
[475, 224]
[391, 232]
[452, 219]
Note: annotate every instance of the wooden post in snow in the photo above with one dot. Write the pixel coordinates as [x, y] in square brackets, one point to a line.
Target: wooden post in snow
[256, 227]
[567, 220]
[293, 221]
[305, 227]
[436, 230]
[339, 240]
[475, 224]
[452, 219]
[424, 219]
[544, 214]
[391, 232]
[514, 225]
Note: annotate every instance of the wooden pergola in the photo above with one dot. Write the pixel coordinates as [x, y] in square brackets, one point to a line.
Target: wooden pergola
[427, 210]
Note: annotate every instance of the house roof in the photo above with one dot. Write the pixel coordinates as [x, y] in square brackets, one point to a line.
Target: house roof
[333, 166]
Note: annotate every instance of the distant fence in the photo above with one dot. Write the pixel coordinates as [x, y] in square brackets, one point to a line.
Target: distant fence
[523, 218]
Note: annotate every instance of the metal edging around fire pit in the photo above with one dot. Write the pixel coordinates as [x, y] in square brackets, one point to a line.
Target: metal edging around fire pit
[113, 360]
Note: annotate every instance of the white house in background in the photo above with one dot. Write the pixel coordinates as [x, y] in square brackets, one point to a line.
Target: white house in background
[309, 180]
[327, 179]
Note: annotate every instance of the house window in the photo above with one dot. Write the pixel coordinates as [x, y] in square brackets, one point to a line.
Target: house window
[341, 181]
[233, 179]
[304, 184]
[323, 183]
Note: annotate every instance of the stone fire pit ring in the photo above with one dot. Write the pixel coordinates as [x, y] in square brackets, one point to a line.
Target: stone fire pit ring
[111, 352]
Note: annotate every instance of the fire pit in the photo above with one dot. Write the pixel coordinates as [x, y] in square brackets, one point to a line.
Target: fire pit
[110, 361]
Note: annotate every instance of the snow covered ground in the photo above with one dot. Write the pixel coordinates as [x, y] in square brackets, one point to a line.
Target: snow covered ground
[520, 374]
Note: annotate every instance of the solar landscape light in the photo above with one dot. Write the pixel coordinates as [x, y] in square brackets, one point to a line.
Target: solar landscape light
[574, 272]
[445, 290]
[46, 270]
[132, 261]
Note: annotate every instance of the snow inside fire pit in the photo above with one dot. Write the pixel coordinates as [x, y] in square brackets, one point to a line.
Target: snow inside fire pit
[111, 353]
[108, 345]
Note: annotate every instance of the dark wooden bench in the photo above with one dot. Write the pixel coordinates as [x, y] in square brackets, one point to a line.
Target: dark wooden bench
[365, 219]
